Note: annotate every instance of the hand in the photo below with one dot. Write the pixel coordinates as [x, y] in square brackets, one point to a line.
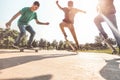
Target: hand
[84, 11]
[47, 23]
[8, 24]
[56, 2]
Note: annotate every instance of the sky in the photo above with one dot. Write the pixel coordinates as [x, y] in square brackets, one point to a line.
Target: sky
[49, 12]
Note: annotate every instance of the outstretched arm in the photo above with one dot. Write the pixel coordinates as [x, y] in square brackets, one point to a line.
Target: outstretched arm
[81, 11]
[8, 24]
[38, 22]
[58, 5]
[98, 8]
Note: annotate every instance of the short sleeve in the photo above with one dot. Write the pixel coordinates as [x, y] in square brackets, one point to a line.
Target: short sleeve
[35, 16]
[23, 10]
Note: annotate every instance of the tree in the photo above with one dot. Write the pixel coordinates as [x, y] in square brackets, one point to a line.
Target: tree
[35, 43]
[43, 44]
[61, 45]
[7, 38]
[98, 39]
[54, 44]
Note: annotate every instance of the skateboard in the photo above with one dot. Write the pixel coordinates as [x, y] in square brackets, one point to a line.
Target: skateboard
[25, 48]
[73, 48]
[114, 51]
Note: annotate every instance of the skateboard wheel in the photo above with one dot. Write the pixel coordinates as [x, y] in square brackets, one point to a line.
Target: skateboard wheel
[36, 50]
[21, 50]
[114, 52]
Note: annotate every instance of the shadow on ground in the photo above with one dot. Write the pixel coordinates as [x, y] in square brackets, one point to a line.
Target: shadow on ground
[43, 77]
[16, 51]
[15, 61]
[10, 51]
[111, 71]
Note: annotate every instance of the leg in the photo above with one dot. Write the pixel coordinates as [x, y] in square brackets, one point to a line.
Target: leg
[97, 22]
[22, 33]
[32, 34]
[114, 28]
[62, 25]
[72, 30]
[107, 19]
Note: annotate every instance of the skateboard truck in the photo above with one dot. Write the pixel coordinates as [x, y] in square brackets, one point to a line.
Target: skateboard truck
[22, 49]
[114, 52]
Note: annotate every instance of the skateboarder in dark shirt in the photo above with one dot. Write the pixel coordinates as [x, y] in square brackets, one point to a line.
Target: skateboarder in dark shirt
[68, 21]
[27, 14]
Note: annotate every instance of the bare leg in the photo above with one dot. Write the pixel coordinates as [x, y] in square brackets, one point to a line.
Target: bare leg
[72, 30]
[112, 18]
[97, 22]
[62, 25]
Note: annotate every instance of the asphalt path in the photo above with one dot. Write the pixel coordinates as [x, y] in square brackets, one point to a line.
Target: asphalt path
[58, 65]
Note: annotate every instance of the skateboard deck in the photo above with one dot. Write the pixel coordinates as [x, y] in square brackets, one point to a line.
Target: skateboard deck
[73, 48]
[25, 48]
[114, 51]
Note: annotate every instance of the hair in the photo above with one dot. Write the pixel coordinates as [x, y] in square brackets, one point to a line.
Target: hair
[36, 3]
[70, 2]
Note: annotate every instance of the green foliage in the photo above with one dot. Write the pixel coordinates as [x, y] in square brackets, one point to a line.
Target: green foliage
[7, 38]
[109, 51]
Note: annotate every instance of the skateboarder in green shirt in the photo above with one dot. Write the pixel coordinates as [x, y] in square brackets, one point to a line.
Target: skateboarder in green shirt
[68, 21]
[27, 14]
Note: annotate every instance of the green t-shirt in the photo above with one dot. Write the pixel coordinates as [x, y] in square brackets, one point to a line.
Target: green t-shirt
[26, 16]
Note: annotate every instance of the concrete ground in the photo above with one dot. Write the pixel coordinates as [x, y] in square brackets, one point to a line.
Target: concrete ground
[58, 65]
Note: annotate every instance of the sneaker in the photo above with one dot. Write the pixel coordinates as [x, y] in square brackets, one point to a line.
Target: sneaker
[29, 46]
[77, 47]
[66, 38]
[104, 35]
[114, 52]
[15, 46]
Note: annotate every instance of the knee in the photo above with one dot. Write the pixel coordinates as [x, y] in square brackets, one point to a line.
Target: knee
[22, 33]
[97, 21]
[33, 33]
[61, 25]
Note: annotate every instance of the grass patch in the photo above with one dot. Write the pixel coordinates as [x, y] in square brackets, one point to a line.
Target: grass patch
[109, 51]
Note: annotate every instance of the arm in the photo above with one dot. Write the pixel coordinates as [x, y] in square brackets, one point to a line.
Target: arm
[38, 22]
[98, 8]
[81, 11]
[58, 5]
[8, 24]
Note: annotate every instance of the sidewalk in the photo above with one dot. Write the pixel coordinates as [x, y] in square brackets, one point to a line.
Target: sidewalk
[58, 65]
